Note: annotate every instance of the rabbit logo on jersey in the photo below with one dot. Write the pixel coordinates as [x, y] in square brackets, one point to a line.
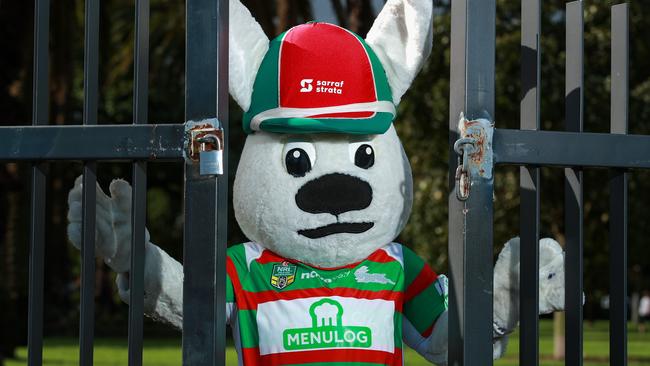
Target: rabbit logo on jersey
[327, 330]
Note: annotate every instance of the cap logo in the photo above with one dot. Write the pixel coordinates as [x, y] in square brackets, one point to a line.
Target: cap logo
[322, 86]
[306, 85]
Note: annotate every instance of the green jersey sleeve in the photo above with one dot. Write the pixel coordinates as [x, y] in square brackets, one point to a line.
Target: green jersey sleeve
[425, 295]
[230, 292]
[230, 298]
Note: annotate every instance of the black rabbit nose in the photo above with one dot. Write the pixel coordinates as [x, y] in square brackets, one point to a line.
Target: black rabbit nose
[334, 194]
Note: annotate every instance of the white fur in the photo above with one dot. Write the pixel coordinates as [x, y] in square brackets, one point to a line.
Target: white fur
[266, 209]
[499, 347]
[437, 345]
[113, 223]
[506, 285]
[402, 38]
[248, 45]
[163, 287]
[506, 281]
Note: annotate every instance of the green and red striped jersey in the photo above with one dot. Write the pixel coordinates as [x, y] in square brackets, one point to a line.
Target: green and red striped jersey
[284, 312]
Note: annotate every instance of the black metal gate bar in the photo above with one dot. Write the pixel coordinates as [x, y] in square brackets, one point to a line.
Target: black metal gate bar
[90, 142]
[87, 300]
[40, 116]
[618, 192]
[206, 91]
[87, 297]
[223, 198]
[470, 222]
[139, 193]
[36, 266]
[136, 273]
[573, 194]
[557, 148]
[165, 142]
[529, 186]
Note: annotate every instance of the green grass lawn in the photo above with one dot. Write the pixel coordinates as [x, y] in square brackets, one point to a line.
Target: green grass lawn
[595, 348]
[163, 352]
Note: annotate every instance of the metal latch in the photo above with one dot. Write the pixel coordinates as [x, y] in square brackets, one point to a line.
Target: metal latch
[205, 145]
[463, 147]
[474, 149]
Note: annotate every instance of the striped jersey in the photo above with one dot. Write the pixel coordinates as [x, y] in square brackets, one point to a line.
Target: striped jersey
[286, 312]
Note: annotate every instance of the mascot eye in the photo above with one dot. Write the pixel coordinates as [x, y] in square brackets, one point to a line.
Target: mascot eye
[299, 158]
[364, 156]
[297, 162]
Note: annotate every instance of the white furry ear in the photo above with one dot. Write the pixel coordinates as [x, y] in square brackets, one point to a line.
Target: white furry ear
[248, 45]
[402, 38]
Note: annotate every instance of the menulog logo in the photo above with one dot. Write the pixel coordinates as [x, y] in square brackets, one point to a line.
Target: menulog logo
[327, 330]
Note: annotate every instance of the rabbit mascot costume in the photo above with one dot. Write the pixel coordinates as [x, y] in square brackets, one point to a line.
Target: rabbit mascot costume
[322, 190]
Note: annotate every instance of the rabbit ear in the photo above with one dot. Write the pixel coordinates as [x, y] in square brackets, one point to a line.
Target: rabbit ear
[248, 45]
[402, 37]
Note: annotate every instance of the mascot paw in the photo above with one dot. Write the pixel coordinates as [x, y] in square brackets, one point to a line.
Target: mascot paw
[113, 223]
[551, 276]
[551, 273]
[506, 283]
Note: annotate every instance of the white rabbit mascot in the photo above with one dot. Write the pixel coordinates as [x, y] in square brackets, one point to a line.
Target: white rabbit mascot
[322, 190]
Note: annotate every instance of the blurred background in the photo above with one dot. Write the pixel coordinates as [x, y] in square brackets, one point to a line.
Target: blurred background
[422, 123]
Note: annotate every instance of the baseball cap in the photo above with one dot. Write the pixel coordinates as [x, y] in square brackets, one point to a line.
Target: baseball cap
[320, 78]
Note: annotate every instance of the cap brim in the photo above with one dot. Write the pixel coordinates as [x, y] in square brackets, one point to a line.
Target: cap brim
[377, 124]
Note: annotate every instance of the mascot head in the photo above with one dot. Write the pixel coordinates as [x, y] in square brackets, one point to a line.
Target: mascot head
[323, 177]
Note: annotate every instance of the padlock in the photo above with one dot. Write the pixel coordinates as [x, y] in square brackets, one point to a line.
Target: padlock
[205, 145]
[210, 161]
[210, 152]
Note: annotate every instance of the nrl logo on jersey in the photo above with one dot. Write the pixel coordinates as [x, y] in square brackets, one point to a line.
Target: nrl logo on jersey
[283, 275]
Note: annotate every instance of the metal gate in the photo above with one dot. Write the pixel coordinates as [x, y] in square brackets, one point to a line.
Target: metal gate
[206, 105]
[470, 221]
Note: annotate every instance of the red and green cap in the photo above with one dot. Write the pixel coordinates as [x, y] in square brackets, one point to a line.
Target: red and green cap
[319, 77]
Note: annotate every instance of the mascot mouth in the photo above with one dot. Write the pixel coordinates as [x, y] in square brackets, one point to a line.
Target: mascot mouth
[338, 228]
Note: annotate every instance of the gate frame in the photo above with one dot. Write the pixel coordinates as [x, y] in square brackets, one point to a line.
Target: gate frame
[470, 222]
